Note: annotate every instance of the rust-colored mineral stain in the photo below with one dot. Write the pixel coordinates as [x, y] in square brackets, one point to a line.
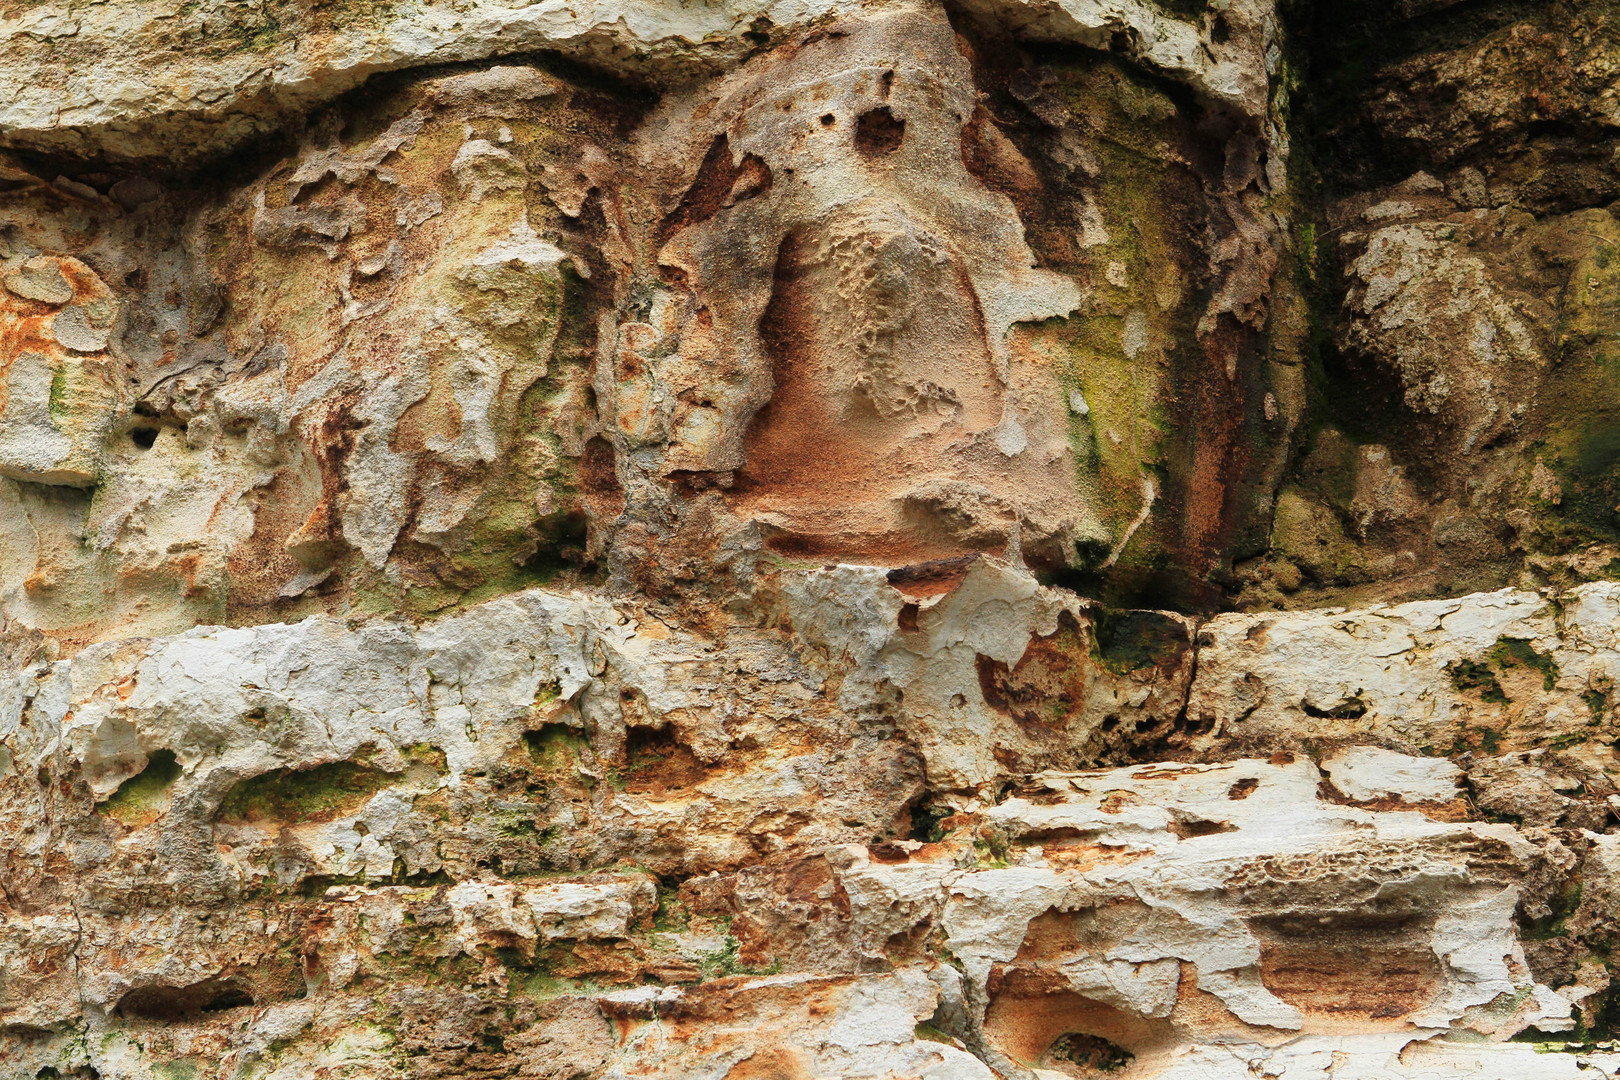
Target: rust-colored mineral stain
[1370, 973]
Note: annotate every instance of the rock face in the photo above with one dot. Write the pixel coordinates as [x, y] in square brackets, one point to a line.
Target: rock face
[1009, 539]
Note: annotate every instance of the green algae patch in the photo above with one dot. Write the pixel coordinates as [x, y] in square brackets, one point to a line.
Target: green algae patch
[1560, 908]
[1518, 652]
[1185, 10]
[1115, 365]
[144, 797]
[554, 749]
[1092, 1053]
[322, 793]
[58, 405]
[420, 757]
[183, 1069]
[543, 986]
[1156, 424]
[1507, 655]
[1127, 641]
[723, 962]
[531, 503]
[1469, 675]
[1577, 417]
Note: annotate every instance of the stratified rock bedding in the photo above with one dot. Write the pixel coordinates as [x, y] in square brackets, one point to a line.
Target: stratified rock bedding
[554, 821]
[1007, 539]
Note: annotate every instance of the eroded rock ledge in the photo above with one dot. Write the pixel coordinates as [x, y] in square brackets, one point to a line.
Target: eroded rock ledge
[380, 846]
[180, 84]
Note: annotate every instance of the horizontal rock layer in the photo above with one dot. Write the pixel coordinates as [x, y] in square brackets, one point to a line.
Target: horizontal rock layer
[179, 84]
[841, 817]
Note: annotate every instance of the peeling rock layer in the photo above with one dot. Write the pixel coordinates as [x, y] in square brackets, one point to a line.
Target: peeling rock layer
[1014, 539]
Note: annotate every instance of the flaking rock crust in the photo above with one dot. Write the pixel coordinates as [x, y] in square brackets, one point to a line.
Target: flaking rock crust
[989, 540]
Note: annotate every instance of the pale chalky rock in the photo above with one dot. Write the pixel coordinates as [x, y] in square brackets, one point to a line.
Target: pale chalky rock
[1366, 774]
[1515, 669]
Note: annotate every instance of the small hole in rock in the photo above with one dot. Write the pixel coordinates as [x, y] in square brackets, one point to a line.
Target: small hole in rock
[170, 1003]
[143, 437]
[828, 120]
[142, 798]
[1243, 788]
[1089, 1055]
[879, 132]
[1188, 830]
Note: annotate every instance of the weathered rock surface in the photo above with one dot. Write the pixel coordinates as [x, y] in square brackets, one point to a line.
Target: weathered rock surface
[1511, 669]
[1007, 539]
[131, 80]
[552, 793]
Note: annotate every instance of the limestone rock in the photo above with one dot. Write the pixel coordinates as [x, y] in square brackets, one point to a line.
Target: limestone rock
[1002, 540]
[1511, 669]
[1367, 774]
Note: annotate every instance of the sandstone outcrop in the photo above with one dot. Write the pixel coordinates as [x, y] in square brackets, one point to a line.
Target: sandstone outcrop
[1006, 539]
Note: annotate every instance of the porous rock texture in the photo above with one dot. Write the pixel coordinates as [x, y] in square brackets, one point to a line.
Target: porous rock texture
[1006, 538]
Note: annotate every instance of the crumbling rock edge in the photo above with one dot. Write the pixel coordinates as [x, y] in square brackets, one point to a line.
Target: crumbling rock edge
[107, 82]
